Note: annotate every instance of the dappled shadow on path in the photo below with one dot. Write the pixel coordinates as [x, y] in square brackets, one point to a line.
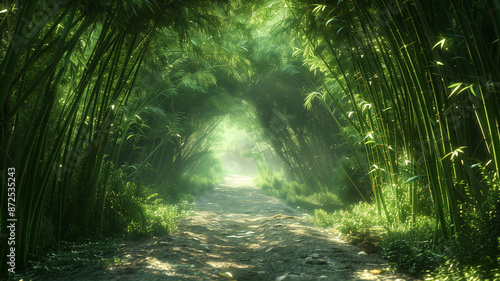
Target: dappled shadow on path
[240, 230]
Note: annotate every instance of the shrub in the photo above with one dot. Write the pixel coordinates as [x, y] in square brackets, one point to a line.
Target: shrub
[361, 217]
[141, 211]
[322, 218]
[122, 205]
[158, 220]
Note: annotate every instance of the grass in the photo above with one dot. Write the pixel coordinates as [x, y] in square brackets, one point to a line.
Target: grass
[355, 219]
[157, 220]
[141, 211]
[453, 271]
[474, 255]
[297, 194]
[407, 243]
[134, 212]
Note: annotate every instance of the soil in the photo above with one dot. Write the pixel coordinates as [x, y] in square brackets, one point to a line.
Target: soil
[237, 230]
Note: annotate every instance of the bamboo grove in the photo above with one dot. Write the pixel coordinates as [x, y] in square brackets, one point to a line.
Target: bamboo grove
[71, 114]
[389, 101]
[411, 99]
[417, 82]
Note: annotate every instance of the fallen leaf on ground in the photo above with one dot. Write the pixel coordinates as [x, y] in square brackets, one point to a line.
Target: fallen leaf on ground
[226, 275]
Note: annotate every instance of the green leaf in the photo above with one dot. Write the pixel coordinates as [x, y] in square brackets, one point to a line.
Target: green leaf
[456, 86]
[332, 20]
[472, 90]
[369, 136]
[439, 43]
[412, 179]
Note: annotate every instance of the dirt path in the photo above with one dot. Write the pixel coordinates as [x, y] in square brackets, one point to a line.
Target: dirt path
[240, 230]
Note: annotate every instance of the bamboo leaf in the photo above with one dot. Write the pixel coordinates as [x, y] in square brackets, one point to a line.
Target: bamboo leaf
[369, 135]
[439, 43]
[310, 97]
[456, 86]
[471, 87]
[330, 20]
[454, 153]
[412, 179]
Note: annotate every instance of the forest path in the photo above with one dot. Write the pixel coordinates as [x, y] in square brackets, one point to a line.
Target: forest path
[239, 229]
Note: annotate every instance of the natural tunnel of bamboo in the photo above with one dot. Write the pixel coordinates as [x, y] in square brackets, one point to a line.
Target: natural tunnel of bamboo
[117, 115]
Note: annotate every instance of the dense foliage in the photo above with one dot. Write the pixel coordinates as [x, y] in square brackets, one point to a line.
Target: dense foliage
[94, 111]
[110, 109]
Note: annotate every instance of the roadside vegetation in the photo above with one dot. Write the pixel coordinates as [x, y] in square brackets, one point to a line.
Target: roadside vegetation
[408, 246]
[380, 117]
[412, 133]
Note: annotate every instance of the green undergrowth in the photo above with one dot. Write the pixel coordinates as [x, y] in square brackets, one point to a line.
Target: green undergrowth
[413, 245]
[297, 194]
[354, 219]
[141, 211]
[133, 211]
[409, 246]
